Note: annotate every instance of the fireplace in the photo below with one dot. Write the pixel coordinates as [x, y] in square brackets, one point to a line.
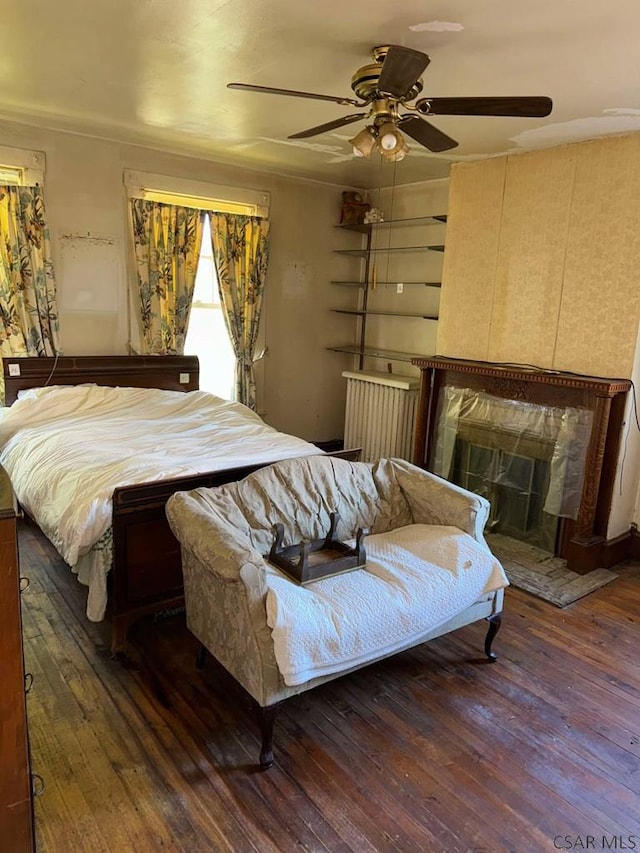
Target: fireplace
[542, 446]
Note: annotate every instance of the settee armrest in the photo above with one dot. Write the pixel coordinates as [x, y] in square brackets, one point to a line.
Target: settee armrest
[434, 500]
[218, 547]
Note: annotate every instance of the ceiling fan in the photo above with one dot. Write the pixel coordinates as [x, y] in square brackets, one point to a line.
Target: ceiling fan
[385, 88]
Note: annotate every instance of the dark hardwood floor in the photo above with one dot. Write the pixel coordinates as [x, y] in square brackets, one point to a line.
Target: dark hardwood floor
[433, 750]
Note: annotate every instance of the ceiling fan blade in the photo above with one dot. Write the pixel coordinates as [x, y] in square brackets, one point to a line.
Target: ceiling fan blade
[426, 134]
[248, 87]
[401, 68]
[330, 125]
[534, 106]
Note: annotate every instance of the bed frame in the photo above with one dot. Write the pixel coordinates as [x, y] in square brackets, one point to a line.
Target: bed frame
[146, 576]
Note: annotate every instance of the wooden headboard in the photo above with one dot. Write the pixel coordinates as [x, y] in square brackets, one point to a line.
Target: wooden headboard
[169, 372]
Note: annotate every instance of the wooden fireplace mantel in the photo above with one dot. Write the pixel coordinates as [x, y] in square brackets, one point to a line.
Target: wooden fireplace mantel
[582, 540]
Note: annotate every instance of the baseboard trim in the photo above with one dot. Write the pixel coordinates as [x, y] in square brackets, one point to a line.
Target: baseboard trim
[634, 553]
[624, 547]
[585, 555]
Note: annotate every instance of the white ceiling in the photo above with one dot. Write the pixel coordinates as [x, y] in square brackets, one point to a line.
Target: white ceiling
[154, 72]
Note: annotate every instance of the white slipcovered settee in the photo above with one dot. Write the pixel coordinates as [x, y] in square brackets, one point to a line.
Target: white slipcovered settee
[428, 572]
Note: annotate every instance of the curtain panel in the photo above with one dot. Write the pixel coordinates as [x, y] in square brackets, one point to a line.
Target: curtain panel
[28, 307]
[167, 240]
[241, 252]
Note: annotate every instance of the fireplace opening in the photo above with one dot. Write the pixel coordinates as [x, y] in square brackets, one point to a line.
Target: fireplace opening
[527, 459]
[515, 486]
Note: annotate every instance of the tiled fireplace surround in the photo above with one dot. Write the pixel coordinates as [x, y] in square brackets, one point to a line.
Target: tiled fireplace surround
[583, 542]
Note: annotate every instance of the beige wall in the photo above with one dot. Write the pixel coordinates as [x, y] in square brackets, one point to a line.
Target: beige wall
[541, 268]
[299, 381]
[542, 257]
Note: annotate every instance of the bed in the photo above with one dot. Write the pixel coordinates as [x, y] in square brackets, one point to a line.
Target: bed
[95, 445]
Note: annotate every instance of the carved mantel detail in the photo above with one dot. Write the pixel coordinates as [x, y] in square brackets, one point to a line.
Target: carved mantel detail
[581, 541]
[510, 389]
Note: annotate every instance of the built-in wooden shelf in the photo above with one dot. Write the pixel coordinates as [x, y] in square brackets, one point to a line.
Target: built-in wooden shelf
[390, 283]
[363, 253]
[372, 254]
[362, 313]
[373, 352]
[364, 228]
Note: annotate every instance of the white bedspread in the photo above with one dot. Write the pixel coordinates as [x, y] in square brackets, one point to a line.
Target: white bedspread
[67, 448]
[416, 578]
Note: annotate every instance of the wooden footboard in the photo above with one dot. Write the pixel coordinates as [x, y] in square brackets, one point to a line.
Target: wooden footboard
[146, 576]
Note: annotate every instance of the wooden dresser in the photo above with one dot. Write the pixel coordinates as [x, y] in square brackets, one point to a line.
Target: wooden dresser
[16, 809]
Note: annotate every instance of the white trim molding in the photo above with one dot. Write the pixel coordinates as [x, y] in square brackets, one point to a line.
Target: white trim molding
[143, 184]
[30, 163]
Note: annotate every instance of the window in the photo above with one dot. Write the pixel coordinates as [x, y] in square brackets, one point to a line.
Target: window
[207, 335]
[10, 176]
[20, 167]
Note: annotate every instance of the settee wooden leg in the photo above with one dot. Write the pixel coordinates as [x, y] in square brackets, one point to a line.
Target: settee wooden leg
[495, 622]
[201, 656]
[267, 719]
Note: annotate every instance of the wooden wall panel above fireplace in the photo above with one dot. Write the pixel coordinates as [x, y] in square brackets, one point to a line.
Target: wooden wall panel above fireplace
[582, 542]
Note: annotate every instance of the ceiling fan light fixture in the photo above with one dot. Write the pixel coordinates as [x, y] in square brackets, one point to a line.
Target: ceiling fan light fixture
[390, 142]
[388, 136]
[397, 154]
[364, 142]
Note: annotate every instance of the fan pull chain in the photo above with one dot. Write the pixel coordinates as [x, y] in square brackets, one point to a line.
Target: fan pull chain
[393, 194]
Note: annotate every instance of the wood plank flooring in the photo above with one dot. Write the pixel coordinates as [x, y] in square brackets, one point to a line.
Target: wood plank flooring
[433, 750]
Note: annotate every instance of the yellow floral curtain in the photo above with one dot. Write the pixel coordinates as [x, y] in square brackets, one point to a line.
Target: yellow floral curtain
[167, 240]
[241, 252]
[28, 306]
